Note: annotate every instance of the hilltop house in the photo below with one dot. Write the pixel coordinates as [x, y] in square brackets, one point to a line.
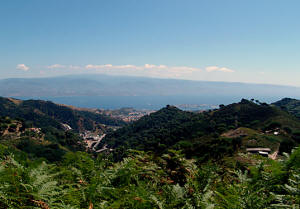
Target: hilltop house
[259, 150]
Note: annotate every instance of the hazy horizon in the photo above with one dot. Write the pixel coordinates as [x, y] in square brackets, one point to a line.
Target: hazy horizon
[142, 77]
[111, 92]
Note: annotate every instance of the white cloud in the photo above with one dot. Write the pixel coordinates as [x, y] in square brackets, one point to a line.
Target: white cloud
[147, 70]
[22, 67]
[211, 68]
[110, 66]
[124, 67]
[218, 69]
[56, 66]
[151, 70]
[150, 66]
[59, 66]
[184, 68]
[226, 70]
[98, 66]
[144, 67]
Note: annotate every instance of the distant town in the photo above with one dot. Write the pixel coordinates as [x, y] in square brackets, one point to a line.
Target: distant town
[126, 114]
[129, 114]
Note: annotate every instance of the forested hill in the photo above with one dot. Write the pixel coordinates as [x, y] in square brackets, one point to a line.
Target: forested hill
[181, 159]
[290, 105]
[39, 128]
[45, 113]
[200, 134]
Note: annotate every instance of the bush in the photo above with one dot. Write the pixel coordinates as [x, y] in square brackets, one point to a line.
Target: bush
[3, 127]
[12, 127]
[296, 136]
[274, 125]
[287, 130]
[294, 160]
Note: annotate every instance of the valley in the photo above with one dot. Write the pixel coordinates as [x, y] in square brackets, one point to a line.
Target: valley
[170, 157]
[149, 104]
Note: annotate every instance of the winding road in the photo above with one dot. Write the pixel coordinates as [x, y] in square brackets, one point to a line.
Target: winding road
[98, 142]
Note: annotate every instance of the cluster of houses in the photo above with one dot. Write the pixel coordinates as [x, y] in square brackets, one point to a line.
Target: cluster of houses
[127, 114]
[35, 130]
[135, 115]
[92, 140]
[276, 131]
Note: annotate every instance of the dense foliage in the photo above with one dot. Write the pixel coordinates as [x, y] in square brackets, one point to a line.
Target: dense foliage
[42, 114]
[200, 134]
[145, 181]
[168, 159]
[290, 105]
[49, 143]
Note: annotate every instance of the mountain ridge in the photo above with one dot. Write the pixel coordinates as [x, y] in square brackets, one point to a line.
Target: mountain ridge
[290, 105]
[42, 113]
[100, 85]
[196, 133]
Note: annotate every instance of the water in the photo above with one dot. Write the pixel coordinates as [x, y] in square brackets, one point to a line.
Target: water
[147, 102]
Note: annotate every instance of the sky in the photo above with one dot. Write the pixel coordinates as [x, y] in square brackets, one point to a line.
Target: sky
[254, 41]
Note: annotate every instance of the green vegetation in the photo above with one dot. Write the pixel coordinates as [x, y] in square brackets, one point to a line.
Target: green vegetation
[44, 114]
[201, 135]
[290, 105]
[49, 143]
[168, 159]
[146, 181]
[35, 127]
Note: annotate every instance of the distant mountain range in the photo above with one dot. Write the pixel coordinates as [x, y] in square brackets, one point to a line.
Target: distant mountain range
[110, 91]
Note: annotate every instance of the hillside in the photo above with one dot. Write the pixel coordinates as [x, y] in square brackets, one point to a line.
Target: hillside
[42, 128]
[45, 113]
[290, 105]
[200, 134]
[181, 160]
[50, 143]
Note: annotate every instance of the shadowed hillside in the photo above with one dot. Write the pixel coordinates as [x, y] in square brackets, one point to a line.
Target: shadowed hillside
[290, 105]
[45, 113]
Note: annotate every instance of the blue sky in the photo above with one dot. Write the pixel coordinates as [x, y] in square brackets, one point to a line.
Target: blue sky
[255, 41]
